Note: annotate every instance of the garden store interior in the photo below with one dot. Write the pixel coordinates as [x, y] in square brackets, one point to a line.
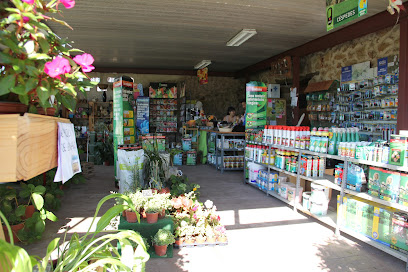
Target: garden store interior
[204, 135]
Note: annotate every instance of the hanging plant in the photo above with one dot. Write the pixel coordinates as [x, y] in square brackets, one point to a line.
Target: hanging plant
[38, 66]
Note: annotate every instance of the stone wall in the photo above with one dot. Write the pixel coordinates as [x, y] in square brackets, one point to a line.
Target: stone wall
[216, 96]
[371, 47]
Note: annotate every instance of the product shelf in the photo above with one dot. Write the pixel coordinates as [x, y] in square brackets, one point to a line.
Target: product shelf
[375, 244]
[330, 219]
[283, 171]
[231, 149]
[233, 169]
[255, 186]
[275, 195]
[366, 196]
[379, 164]
[327, 181]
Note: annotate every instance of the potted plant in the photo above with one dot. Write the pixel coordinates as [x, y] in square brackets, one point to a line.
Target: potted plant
[161, 240]
[83, 253]
[152, 208]
[139, 201]
[39, 67]
[190, 232]
[165, 204]
[35, 198]
[221, 234]
[105, 151]
[12, 211]
[209, 233]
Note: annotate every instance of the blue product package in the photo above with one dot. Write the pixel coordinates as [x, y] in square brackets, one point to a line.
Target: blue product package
[178, 159]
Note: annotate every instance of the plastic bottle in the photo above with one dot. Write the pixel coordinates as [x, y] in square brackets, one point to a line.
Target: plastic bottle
[292, 137]
[357, 135]
[323, 144]
[307, 143]
[279, 138]
[264, 135]
[333, 142]
[348, 135]
[298, 135]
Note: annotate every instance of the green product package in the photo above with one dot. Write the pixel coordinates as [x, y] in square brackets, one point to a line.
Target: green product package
[403, 189]
[390, 183]
[191, 157]
[374, 178]
[398, 148]
[399, 232]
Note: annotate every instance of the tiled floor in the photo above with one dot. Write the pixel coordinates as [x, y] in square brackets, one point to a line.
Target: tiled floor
[264, 234]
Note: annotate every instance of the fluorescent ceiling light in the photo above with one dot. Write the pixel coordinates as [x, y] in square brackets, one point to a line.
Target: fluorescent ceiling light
[241, 37]
[202, 64]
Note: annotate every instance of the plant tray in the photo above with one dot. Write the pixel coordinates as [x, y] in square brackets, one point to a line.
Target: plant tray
[185, 245]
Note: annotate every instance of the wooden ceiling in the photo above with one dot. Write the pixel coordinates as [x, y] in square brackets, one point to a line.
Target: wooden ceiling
[177, 34]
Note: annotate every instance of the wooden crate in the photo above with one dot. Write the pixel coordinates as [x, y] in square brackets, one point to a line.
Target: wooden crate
[28, 145]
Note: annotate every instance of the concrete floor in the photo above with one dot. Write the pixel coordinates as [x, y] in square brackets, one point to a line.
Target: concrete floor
[264, 233]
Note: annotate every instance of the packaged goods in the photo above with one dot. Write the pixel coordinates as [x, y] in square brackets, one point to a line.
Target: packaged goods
[398, 147]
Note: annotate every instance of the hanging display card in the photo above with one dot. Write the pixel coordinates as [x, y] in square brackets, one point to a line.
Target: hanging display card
[382, 65]
[68, 158]
[256, 101]
[344, 12]
[346, 73]
[142, 119]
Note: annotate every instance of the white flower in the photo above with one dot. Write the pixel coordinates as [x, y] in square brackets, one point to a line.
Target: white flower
[208, 204]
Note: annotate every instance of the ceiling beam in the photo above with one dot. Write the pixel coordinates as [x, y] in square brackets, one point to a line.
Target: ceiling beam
[361, 28]
[159, 71]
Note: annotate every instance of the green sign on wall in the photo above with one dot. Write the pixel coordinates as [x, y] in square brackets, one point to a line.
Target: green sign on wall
[344, 12]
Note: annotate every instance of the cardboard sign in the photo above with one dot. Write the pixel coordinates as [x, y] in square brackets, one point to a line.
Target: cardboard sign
[68, 158]
[142, 119]
[147, 193]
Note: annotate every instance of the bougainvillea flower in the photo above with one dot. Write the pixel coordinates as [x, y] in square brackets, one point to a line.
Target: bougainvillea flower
[57, 66]
[26, 19]
[195, 208]
[67, 3]
[30, 2]
[85, 61]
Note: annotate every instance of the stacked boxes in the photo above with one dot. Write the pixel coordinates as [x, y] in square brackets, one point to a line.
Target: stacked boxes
[388, 185]
[378, 222]
[191, 157]
[312, 166]
[150, 142]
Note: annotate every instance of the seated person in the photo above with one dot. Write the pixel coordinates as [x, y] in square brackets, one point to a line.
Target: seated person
[230, 117]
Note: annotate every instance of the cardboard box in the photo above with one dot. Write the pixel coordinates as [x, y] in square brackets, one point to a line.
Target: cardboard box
[398, 148]
[390, 183]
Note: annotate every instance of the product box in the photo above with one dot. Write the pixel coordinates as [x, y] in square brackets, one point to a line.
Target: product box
[398, 148]
[399, 232]
[403, 202]
[389, 198]
[382, 220]
[374, 177]
[178, 159]
[186, 144]
[403, 189]
[191, 157]
[374, 193]
[390, 182]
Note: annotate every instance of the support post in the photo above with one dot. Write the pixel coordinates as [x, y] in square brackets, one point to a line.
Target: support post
[296, 84]
[402, 120]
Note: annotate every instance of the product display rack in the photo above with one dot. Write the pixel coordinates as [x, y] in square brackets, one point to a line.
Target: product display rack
[164, 116]
[221, 151]
[328, 181]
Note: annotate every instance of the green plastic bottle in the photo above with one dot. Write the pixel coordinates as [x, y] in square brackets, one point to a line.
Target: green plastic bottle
[333, 142]
[357, 135]
[348, 135]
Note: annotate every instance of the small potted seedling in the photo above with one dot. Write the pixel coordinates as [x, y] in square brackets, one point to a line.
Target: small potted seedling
[152, 208]
[161, 240]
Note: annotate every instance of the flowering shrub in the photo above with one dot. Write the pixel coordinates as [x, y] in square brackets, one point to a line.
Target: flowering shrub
[38, 66]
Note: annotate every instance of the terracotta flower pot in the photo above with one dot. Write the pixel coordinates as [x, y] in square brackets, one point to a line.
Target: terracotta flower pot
[131, 217]
[189, 240]
[14, 229]
[29, 211]
[12, 107]
[211, 239]
[124, 213]
[160, 250]
[165, 190]
[200, 240]
[222, 239]
[162, 214]
[152, 217]
[47, 111]
[179, 241]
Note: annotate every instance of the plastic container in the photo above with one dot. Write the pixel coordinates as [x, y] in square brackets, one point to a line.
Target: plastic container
[254, 170]
[318, 209]
[306, 200]
[186, 144]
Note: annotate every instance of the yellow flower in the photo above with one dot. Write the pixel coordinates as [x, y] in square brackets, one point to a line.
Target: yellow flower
[195, 189]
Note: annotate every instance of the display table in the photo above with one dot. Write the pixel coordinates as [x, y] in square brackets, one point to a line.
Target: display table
[149, 230]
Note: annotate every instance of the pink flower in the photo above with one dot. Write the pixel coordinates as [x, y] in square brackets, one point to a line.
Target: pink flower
[177, 203]
[218, 218]
[68, 3]
[57, 66]
[26, 19]
[195, 216]
[195, 208]
[30, 2]
[85, 61]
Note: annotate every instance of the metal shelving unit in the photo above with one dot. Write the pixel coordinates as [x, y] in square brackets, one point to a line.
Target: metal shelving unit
[333, 218]
[222, 150]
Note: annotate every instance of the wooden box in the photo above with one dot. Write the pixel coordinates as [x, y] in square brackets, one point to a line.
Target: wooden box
[28, 145]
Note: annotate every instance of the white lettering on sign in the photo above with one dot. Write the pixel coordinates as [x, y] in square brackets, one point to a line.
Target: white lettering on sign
[349, 14]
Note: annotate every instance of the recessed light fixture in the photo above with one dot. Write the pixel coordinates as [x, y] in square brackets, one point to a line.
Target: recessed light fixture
[241, 37]
[202, 64]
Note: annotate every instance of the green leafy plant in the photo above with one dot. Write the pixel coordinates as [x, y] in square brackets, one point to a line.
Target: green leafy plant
[180, 186]
[163, 237]
[83, 253]
[155, 168]
[38, 65]
[105, 150]
[153, 205]
[9, 205]
[138, 200]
